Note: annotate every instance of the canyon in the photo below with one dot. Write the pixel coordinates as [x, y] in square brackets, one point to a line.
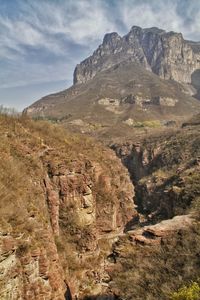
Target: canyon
[99, 183]
[80, 224]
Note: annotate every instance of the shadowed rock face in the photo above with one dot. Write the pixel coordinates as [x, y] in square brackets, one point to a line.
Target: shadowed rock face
[165, 171]
[196, 82]
[166, 54]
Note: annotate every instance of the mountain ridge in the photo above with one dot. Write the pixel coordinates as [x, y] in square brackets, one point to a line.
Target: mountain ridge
[148, 46]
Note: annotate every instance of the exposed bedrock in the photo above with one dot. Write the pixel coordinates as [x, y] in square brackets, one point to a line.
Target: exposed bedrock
[166, 54]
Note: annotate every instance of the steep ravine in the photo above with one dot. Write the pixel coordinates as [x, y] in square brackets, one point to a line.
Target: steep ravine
[161, 252]
[87, 215]
[164, 170]
[68, 223]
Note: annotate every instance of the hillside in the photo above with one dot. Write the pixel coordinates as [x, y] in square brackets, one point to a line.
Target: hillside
[69, 224]
[115, 101]
[80, 220]
[158, 258]
[58, 204]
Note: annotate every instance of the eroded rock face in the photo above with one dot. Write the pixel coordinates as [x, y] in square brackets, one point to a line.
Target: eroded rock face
[87, 207]
[70, 208]
[166, 54]
[153, 234]
[30, 274]
[68, 227]
[86, 191]
[164, 171]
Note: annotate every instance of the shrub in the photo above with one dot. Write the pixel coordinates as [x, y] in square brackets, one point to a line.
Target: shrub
[8, 111]
[191, 292]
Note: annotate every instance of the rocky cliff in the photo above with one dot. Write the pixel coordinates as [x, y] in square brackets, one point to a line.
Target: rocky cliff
[69, 226]
[118, 102]
[153, 261]
[163, 253]
[77, 223]
[166, 54]
[62, 203]
[165, 170]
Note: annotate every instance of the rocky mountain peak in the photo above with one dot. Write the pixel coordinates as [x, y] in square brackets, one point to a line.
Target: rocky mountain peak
[154, 30]
[136, 30]
[125, 82]
[111, 38]
[166, 54]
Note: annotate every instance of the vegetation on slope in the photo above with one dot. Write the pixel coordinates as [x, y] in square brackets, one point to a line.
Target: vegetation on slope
[45, 172]
[153, 272]
[166, 173]
[190, 292]
[120, 99]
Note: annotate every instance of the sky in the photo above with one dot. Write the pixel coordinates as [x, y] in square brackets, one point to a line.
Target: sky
[41, 41]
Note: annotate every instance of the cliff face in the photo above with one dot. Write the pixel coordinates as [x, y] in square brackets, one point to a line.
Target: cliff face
[62, 203]
[162, 254]
[166, 54]
[69, 225]
[165, 171]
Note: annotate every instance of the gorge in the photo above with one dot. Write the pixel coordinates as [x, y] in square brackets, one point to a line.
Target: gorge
[99, 183]
[73, 218]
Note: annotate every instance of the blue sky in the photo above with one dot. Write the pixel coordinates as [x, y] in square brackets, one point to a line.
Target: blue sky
[41, 41]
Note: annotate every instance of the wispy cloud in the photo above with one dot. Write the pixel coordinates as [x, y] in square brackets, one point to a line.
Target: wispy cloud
[47, 23]
[42, 40]
[162, 14]
[48, 31]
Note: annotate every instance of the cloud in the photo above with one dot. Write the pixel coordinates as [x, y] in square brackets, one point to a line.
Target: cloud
[162, 15]
[80, 20]
[18, 33]
[42, 40]
[42, 23]
[15, 75]
[40, 34]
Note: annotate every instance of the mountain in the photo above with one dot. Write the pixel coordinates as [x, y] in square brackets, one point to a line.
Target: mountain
[143, 79]
[166, 54]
